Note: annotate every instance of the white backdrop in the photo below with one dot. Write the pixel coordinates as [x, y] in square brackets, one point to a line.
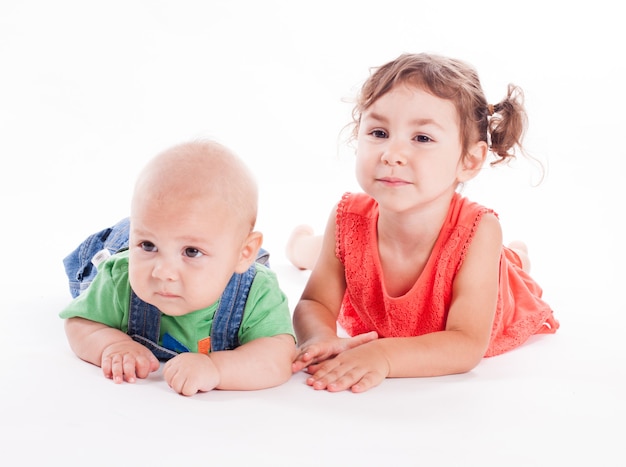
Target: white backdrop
[90, 91]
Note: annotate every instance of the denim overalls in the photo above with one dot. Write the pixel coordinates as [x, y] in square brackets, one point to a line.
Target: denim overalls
[144, 319]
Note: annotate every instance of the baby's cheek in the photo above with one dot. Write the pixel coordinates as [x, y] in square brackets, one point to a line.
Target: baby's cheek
[139, 279]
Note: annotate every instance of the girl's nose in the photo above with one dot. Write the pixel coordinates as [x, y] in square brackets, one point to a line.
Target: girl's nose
[393, 154]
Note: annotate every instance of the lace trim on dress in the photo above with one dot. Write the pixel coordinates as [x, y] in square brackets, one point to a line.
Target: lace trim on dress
[468, 242]
[341, 209]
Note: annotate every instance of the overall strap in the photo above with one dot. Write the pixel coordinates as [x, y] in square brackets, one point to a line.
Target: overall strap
[144, 323]
[227, 319]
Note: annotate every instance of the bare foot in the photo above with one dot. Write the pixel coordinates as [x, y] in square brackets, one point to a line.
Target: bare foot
[299, 250]
[521, 249]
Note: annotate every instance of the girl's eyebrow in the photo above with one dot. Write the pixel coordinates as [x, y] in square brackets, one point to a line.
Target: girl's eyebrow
[376, 116]
[417, 121]
[426, 122]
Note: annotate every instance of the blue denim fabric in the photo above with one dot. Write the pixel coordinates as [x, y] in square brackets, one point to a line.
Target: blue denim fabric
[144, 323]
[144, 319]
[78, 266]
[227, 319]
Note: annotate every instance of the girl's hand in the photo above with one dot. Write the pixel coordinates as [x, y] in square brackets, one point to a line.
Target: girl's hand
[358, 369]
[317, 351]
[128, 360]
[190, 372]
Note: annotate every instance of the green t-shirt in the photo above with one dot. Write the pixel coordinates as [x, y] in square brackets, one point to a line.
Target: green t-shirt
[107, 301]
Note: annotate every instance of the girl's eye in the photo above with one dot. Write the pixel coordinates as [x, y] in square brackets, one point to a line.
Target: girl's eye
[423, 139]
[148, 246]
[378, 134]
[193, 252]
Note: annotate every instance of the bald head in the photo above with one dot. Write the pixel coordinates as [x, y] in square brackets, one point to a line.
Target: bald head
[199, 171]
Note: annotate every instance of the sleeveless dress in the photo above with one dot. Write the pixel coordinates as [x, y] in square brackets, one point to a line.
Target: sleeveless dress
[366, 306]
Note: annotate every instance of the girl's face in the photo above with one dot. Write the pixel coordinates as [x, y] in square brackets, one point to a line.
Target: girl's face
[409, 150]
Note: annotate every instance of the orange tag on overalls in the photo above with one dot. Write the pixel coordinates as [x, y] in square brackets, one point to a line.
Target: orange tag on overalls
[204, 345]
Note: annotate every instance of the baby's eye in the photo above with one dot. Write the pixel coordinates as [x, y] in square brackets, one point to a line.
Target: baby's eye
[378, 133]
[423, 139]
[193, 252]
[148, 246]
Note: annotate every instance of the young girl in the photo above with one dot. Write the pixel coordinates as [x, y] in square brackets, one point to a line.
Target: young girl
[414, 272]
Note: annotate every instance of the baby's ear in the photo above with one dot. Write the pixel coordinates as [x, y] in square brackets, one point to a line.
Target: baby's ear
[249, 251]
[471, 164]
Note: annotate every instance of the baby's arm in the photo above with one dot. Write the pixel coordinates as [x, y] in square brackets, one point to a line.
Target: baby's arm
[457, 349]
[262, 363]
[119, 356]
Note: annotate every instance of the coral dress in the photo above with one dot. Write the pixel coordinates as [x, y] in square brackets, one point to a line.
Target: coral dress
[366, 306]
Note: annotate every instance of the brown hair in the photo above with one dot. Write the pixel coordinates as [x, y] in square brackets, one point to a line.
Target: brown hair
[502, 125]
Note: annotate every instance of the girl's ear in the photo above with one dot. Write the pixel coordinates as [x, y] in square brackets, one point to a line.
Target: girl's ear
[471, 164]
[249, 251]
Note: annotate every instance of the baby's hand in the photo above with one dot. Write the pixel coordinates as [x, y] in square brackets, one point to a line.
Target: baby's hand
[128, 360]
[189, 373]
[317, 351]
[358, 369]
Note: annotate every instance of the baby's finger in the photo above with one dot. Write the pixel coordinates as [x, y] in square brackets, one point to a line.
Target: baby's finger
[105, 364]
[113, 367]
[129, 369]
[145, 365]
